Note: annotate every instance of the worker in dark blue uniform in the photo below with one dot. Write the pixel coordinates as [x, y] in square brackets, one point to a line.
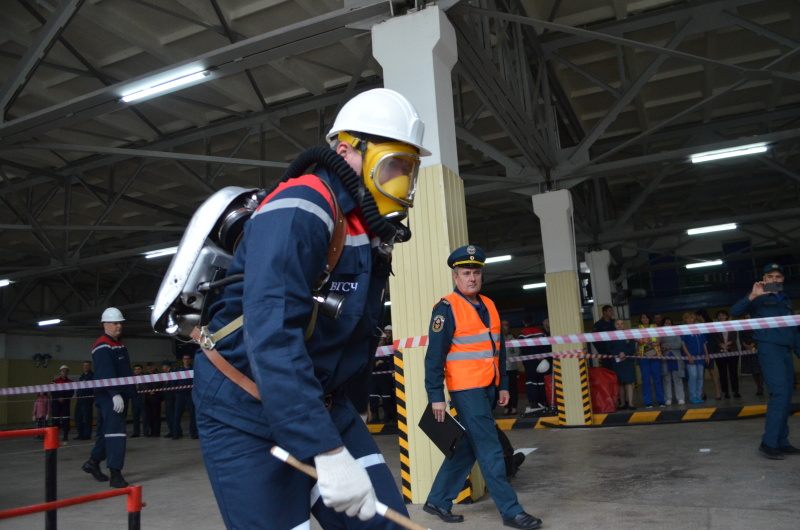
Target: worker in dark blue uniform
[183, 401]
[303, 407]
[775, 346]
[111, 360]
[467, 353]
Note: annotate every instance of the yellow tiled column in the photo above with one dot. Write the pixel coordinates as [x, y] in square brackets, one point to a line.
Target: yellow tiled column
[554, 210]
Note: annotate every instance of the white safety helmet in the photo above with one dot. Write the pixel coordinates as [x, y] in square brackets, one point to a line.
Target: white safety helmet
[112, 314]
[382, 112]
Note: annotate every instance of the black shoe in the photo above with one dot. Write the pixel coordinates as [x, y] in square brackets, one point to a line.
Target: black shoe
[524, 521]
[177, 437]
[789, 450]
[737, 395]
[93, 468]
[117, 480]
[727, 396]
[195, 437]
[134, 436]
[445, 515]
[168, 435]
[770, 452]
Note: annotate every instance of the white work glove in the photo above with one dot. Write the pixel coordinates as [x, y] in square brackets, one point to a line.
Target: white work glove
[344, 485]
[119, 404]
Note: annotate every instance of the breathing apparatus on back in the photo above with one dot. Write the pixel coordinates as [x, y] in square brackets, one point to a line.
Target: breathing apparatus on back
[386, 130]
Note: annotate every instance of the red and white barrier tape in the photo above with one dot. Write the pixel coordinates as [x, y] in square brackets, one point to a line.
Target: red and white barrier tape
[413, 342]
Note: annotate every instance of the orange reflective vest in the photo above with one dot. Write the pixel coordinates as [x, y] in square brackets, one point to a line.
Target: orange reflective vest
[473, 359]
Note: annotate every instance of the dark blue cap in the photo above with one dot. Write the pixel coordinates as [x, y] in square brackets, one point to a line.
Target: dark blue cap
[166, 363]
[773, 267]
[466, 256]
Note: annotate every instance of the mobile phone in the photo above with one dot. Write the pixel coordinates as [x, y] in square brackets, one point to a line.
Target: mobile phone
[774, 287]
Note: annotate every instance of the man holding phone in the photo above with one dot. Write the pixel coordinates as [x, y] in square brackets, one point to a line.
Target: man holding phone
[775, 346]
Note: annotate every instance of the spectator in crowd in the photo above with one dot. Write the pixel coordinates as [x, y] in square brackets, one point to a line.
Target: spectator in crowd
[775, 346]
[467, 354]
[84, 405]
[672, 370]
[606, 323]
[750, 364]
[695, 348]
[183, 401]
[534, 379]
[711, 367]
[41, 412]
[152, 403]
[138, 411]
[624, 366]
[168, 395]
[728, 367]
[512, 370]
[658, 319]
[648, 350]
[62, 399]
[383, 392]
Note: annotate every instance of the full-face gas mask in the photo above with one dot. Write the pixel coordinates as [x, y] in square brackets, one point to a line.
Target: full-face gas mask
[390, 171]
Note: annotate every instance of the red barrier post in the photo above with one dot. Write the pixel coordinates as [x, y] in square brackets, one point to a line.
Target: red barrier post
[51, 475]
[135, 508]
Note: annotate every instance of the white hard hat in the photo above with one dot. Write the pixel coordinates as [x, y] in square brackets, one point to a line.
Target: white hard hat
[63, 367]
[112, 314]
[381, 112]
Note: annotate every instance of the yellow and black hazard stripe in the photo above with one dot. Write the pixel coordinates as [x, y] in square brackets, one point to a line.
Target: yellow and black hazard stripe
[586, 398]
[402, 425]
[558, 384]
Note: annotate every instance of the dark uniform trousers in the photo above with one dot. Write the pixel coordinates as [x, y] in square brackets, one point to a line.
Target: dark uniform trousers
[257, 503]
[474, 409]
[83, 416]
[111, 436]
[777, 366]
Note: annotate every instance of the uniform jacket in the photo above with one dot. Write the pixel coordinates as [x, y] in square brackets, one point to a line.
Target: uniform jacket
[532, 332]
[440, 340]
[110, 359]
[603, 347]
[769, 305]
[61, 394]
[86, 376]
[183, 382]
[282, 253]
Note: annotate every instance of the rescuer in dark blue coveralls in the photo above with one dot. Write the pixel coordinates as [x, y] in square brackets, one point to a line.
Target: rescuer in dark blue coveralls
[467, 353]
[111, 360]
[303, 406]
[775, 347]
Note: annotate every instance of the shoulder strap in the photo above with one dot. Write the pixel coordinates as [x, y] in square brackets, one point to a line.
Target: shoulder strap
[207, 340]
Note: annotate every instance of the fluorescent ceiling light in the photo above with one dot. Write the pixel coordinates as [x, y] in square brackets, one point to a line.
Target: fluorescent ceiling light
[495, 259]
[50, 322]
[4, 283]
[387, 303]
[704, 264]
[160, 253]
[165, 86]
[534, 285]
[742, 150]
[707, 229]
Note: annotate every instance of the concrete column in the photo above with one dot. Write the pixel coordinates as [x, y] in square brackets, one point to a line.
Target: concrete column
[417, 52]
[554, 210]
[598, 262]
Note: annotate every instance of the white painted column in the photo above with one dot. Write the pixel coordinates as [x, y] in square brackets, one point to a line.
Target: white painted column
[554, 210]
[417, 52]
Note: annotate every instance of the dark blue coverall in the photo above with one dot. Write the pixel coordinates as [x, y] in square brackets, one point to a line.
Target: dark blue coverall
[84, 407]
[282, 253]
[110, 359]
[474, 408]
[183, 402]
[775, 347]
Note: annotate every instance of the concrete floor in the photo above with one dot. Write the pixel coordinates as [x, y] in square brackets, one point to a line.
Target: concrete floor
[685, 475]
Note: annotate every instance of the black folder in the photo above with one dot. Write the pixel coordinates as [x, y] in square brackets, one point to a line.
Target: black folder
[446, 435]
